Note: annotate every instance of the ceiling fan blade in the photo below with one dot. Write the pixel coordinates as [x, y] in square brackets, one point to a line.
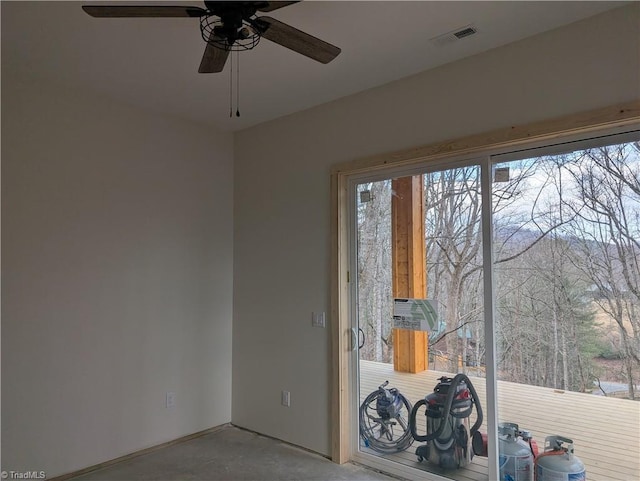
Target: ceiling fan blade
[271, 6]
[116, 11]
[214, 58]
[296, 40]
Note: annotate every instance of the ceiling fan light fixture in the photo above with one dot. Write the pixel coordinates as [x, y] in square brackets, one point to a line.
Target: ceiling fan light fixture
[216, 34]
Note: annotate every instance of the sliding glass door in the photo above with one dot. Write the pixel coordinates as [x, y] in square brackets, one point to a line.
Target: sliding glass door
[512, 281]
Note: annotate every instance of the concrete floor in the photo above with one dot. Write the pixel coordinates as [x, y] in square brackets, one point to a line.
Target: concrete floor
[232, 454]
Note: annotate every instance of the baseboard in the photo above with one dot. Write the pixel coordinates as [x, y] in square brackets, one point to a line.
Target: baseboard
[289, 443]
[127, 457]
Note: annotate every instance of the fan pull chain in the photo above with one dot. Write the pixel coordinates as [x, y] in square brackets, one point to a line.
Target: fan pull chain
[238, 85]
[231, 86]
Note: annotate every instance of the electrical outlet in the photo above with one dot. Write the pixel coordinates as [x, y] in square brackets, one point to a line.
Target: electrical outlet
[170, 400]
[286, 398]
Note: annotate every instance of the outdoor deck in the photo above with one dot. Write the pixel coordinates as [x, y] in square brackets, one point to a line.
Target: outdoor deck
[605, 431]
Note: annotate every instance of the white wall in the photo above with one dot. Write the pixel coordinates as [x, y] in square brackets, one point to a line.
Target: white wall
[282, 194]
[116, 278]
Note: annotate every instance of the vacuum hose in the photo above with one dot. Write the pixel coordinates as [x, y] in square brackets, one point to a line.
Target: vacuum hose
[451, 393]
[412, 422]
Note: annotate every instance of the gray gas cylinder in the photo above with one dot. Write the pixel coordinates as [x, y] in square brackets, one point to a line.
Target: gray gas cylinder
[558, 463]
[516, 458]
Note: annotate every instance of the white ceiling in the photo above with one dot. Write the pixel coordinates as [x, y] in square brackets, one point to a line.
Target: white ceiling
[153, 62]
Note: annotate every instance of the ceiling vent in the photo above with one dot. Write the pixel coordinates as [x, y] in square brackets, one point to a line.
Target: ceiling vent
[454, 36]
[465, 32]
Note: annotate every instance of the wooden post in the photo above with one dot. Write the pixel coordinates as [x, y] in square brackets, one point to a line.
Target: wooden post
[410, 348]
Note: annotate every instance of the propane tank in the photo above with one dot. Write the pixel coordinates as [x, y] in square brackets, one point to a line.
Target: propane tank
[516, 455]
[558, 463]
[517, 451]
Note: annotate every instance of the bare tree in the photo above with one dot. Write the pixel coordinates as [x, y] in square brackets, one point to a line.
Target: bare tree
[566, 227]
[607, 229]
[374, 271]
[454, 250]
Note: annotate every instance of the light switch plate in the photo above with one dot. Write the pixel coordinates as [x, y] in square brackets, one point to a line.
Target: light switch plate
[170, 400]
[318, 319]
[286, 398]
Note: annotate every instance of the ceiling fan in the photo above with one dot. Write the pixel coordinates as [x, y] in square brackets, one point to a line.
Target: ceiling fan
[230, 26]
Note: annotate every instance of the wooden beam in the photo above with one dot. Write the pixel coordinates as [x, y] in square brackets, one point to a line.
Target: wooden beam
[514, 137]
[410, 348]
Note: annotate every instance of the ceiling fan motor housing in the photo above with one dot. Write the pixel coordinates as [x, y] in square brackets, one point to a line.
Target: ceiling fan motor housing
[231, 24]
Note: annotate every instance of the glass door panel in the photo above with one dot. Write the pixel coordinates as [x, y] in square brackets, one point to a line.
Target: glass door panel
[566, 244]
[405, 415]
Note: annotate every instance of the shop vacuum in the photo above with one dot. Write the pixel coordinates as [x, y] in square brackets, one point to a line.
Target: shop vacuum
[448, 435]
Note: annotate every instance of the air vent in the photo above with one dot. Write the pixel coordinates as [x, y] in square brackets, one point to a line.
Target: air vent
[465, 32]
[454, 36]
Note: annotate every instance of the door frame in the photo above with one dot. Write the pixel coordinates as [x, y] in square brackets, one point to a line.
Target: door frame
[609, 120]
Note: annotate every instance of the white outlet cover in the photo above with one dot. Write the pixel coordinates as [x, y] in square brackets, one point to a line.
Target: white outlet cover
[170, 400]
